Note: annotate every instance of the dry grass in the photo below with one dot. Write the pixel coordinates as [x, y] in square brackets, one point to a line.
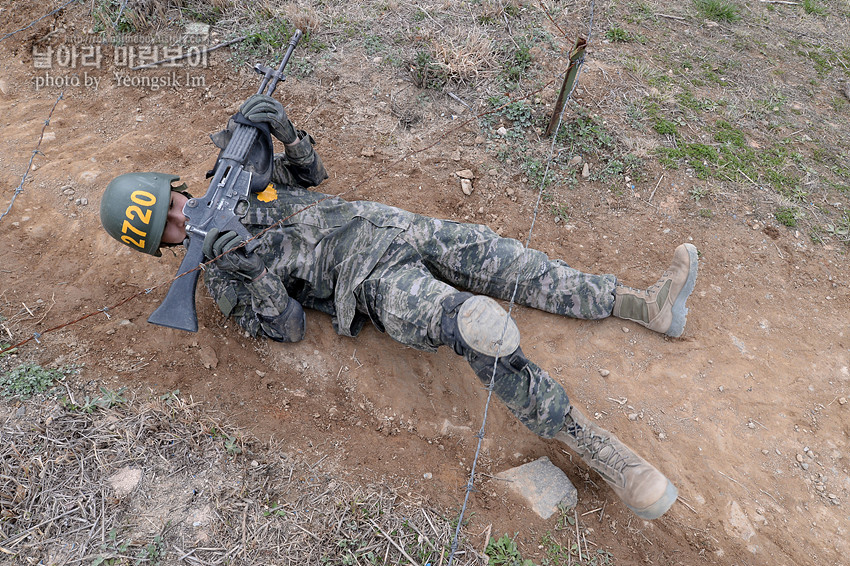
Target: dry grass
[202, 494]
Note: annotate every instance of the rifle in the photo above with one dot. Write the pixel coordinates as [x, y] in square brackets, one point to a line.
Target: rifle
[244, 166]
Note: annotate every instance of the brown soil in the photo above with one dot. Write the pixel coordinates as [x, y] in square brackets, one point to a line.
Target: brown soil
[745, 413]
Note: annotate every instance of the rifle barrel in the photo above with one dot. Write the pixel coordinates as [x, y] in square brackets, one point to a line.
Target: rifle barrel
[272, 85]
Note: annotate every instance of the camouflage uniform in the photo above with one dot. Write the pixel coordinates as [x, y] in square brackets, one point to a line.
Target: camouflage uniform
[360, 261]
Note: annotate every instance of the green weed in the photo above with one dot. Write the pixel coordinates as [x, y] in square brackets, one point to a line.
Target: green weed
[718, 10]
[813, 7]
[27, 380]
[426, 73]
[787, 215]
[504, 552]
[617, 34]
[105, 400]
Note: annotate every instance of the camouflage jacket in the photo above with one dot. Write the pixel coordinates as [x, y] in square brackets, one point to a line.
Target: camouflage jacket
[318, 250]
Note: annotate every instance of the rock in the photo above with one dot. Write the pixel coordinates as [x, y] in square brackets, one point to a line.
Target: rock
[209, 359]
[604, 372]
[502, 131]
[456, 155]
[367, 152]
[4, 87]
[842, 401]
[799, 457]
[585, 171]
[465, 174]
[626, 329]
[633, 416]
[427, 475]
[575, 160]
[544, 486]
[124, 481]
[378, 60]
[82, 201]
[67, 190]
[466, 186]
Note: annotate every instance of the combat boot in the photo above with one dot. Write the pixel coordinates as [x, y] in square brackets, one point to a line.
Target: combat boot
[644, 490]
[661, 307]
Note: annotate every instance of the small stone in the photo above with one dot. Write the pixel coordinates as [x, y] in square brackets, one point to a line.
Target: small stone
[502, 131]
[805, 465]
[466, 186]
[140, 118]
[626, 329]
[465, 174]
[575, 160]
[585, 171]
[842, 401]
[751, 425]
[799, 457]
[633, 416]
[509, 191]
[832, 496]
[493, 172]
[604, 372]
[661, 436]
[479, 140]
[765, 451]
[456, 155]
[261, 373]
[254, 463]
[367, 152]
[427, 475]
[67, 190]
[378, 60]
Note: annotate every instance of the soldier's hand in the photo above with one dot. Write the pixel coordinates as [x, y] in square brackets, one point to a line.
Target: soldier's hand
[263, 108]
[245, 265]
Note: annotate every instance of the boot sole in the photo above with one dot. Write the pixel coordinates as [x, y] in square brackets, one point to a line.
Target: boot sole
[659, 507]
[680, 311]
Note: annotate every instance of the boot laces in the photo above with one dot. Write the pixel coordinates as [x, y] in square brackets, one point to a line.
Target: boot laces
[594, 444]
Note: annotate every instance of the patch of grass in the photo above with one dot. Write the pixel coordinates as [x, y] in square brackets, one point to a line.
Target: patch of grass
[705, 213]
[106, 400]
[718, 10]
[202, 12]
[426, 73]
[27, 379]
[586, 132]
[814, 7]
[561, 211]
[112, 15]
[787, 215]
[617, 35]
[504, 552]
[840, 229]
[698, 193]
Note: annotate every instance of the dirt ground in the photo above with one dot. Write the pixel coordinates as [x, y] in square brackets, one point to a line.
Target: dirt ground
[746, 413]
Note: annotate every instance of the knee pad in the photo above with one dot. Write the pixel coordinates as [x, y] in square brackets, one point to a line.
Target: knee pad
[480, 324]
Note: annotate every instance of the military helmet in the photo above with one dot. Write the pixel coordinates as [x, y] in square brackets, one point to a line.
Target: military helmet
[134, 209]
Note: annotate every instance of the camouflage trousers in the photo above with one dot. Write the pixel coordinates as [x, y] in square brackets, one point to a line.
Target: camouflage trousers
[429, 261]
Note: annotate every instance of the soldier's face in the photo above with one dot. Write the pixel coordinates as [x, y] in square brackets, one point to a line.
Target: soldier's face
[175, 225]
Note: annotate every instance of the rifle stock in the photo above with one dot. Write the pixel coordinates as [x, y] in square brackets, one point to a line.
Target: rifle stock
[231, 184]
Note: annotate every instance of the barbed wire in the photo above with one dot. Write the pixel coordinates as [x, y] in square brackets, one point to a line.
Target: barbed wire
[32, 23]
[35, 152]
[470, 485]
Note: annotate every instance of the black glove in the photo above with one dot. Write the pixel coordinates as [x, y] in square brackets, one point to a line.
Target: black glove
[246, 265]
[263, 108]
